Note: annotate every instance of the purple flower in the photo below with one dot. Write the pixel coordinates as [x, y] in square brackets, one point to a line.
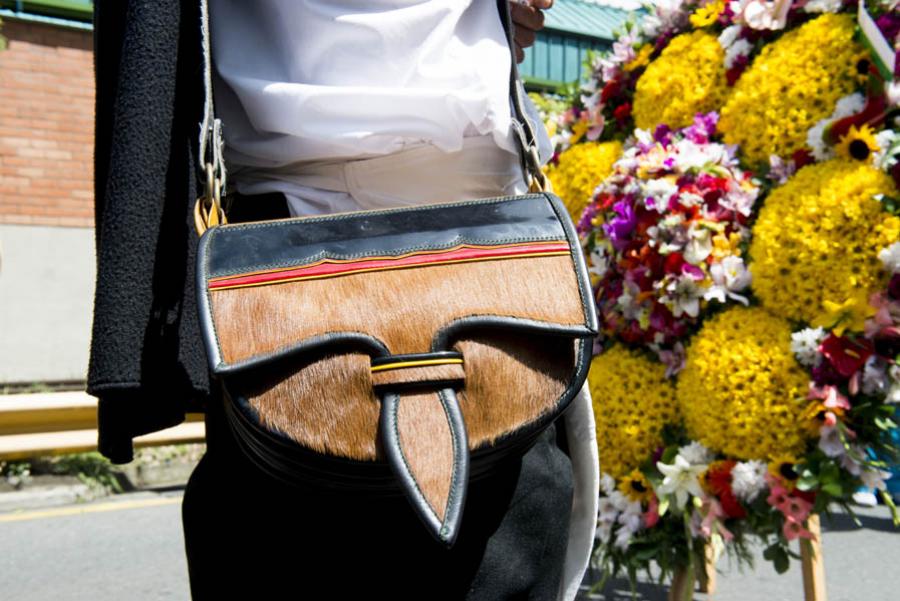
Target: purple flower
[618, 228]
[889, 24]
[584, 224]
[703, 128]
[692, 270]
[663, 134]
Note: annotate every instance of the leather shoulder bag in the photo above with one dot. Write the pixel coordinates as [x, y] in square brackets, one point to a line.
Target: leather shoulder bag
[401, 351]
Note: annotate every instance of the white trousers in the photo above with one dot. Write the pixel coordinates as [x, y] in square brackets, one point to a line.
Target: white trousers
[423, 175]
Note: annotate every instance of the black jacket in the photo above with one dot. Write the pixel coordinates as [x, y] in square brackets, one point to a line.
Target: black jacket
[147, 365]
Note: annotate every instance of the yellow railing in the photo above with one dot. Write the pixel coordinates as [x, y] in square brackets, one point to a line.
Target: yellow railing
[66, 422]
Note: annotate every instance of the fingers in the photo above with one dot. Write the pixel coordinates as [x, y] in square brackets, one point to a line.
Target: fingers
[524, 37]
[527, 17]
[520, 54]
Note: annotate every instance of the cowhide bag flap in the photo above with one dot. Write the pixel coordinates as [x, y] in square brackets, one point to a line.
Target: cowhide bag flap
[398, 351]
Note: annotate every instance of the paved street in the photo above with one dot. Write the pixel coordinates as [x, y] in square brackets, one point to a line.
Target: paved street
[131, 548]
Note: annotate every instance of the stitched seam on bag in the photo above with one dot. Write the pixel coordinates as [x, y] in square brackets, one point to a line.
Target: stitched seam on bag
[370, 253]
[584, 305]
[209, 307]
[454, 468]
[405, 463]
[356, 214]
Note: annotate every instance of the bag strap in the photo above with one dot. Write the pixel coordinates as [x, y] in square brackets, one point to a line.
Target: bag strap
[208, 209]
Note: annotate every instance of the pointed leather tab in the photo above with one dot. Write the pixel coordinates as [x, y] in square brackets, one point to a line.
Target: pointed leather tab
[424, 438]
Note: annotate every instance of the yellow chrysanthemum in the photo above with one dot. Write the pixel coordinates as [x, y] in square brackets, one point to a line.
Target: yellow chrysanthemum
[858, 143]
[792, 84]
[708, 13]
[741, 391]
[633, 400]
[641, 58]
[816, 242]
[687, 78]
[636, 487]
[581, 168]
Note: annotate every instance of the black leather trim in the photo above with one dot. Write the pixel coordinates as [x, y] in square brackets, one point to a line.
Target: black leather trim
[334, 341]
[443, 531]
[416, 357]
[245, 247]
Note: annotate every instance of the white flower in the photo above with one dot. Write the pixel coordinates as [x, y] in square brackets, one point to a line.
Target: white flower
[604, 529]
[729, 35]
[849, 105]
[619, 501]
[893, 393]
[740, 48]
[816, 143]
[729, 276]
[830, 441]
[748, 480]
[873, 479]
[661, 190]
[699, 245]
[680, 479]
[607, 512]
[632, 518]
[888, 152]
[875, 377]
[599, 263]
[890, 256]
[696, 454]
[683, 294]
[761, 14]
[690, 155]
[623, 539]
[822, 6]
[805, 345]
[607, 484]
[892, 92]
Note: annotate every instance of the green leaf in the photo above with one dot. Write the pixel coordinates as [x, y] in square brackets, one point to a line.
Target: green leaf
[833, 488]
[782, 561]
[808, 481]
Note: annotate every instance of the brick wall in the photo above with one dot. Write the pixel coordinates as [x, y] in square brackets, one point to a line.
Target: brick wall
[46, 125]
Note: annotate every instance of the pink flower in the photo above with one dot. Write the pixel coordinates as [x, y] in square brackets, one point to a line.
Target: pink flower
[651, 516]
[794, 529]
[778, 494]
[713, 516]
[796, 508]
[830, 395]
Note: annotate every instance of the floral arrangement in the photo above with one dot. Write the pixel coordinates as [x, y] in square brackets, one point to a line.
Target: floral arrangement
[664, 235]
[574, 175]
[745, 263]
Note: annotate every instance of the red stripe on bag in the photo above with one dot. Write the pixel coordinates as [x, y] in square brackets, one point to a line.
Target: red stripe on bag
[331, 267]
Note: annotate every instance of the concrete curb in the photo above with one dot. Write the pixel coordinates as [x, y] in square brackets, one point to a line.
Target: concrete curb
[133, 477]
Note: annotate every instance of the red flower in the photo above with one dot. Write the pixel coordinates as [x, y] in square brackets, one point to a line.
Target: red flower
[609, 90]
[622, 112]
[803, 157]
[731, 506]
[847, 356]
[674, 261]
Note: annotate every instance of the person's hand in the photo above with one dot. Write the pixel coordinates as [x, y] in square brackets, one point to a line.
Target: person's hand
[527, 20]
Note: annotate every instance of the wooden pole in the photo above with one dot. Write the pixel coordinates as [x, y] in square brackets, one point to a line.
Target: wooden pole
[707, 579]
[812, 561]
[682, 587]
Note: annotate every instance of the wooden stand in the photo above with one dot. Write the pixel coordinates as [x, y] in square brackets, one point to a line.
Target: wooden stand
[682, 587]
[707, 575]
[813, 564]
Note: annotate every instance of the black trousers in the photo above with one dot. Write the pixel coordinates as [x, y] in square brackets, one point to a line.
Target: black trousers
[250, 536]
